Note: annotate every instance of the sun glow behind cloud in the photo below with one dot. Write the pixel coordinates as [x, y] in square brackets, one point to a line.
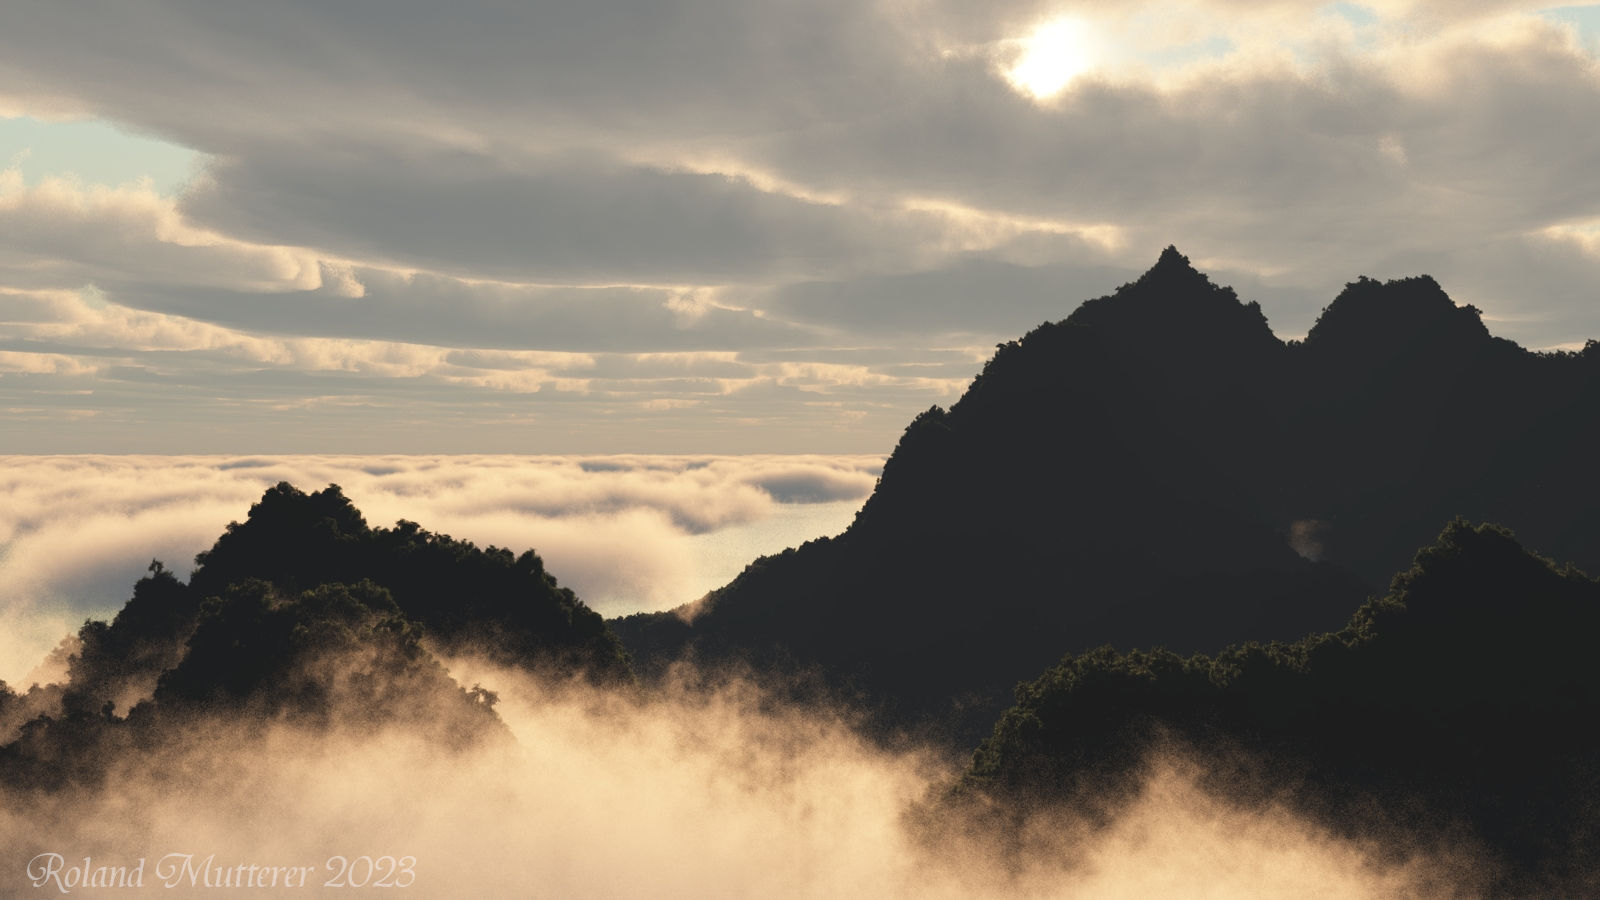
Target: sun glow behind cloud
[1049, 59]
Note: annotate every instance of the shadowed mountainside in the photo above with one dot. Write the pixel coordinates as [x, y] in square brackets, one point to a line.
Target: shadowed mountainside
[1159, 469]
[1457, 707]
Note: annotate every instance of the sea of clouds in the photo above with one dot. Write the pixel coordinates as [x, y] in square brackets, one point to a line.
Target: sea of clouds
[627, 533]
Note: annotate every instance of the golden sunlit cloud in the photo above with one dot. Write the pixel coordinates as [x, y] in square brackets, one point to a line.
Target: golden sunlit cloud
[1052, 56]
[1583, 234]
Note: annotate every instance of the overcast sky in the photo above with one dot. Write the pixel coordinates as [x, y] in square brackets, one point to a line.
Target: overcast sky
[725, 225]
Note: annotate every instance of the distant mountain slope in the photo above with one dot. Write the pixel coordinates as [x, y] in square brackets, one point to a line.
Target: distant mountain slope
[1160, 469]
[1463, 698]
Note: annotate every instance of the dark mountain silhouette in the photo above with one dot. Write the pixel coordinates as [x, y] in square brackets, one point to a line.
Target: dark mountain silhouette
[1457, 707]
[488, 600]
[1159, 469]
[1408, 413]
[304, 615]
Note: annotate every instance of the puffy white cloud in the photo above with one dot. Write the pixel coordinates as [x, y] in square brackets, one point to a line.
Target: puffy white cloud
[63, 234]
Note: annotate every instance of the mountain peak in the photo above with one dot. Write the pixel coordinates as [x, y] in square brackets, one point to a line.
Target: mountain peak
[1173, 280]
[1175, 311]
[1171, 258]
[1396, 316]
[1172, 269]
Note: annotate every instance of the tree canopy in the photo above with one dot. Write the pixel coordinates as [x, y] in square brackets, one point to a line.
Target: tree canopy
[1465, 695]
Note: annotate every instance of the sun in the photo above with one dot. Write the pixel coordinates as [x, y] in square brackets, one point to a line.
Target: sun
[1055, 53]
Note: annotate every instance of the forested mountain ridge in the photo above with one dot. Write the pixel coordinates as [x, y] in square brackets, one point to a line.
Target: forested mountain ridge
[1456, 708]
[1158, 469]
[486, 599]
[303, 614]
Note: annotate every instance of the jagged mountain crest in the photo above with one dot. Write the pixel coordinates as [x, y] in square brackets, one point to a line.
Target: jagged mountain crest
[1172, 319]
[1173, 297]
[1159, 468]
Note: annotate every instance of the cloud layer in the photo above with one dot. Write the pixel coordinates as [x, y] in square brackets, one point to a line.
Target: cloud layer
[392, 205]
[627, 533]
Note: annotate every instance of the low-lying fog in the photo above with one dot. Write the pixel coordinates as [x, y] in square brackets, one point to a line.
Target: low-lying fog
[720, 793]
